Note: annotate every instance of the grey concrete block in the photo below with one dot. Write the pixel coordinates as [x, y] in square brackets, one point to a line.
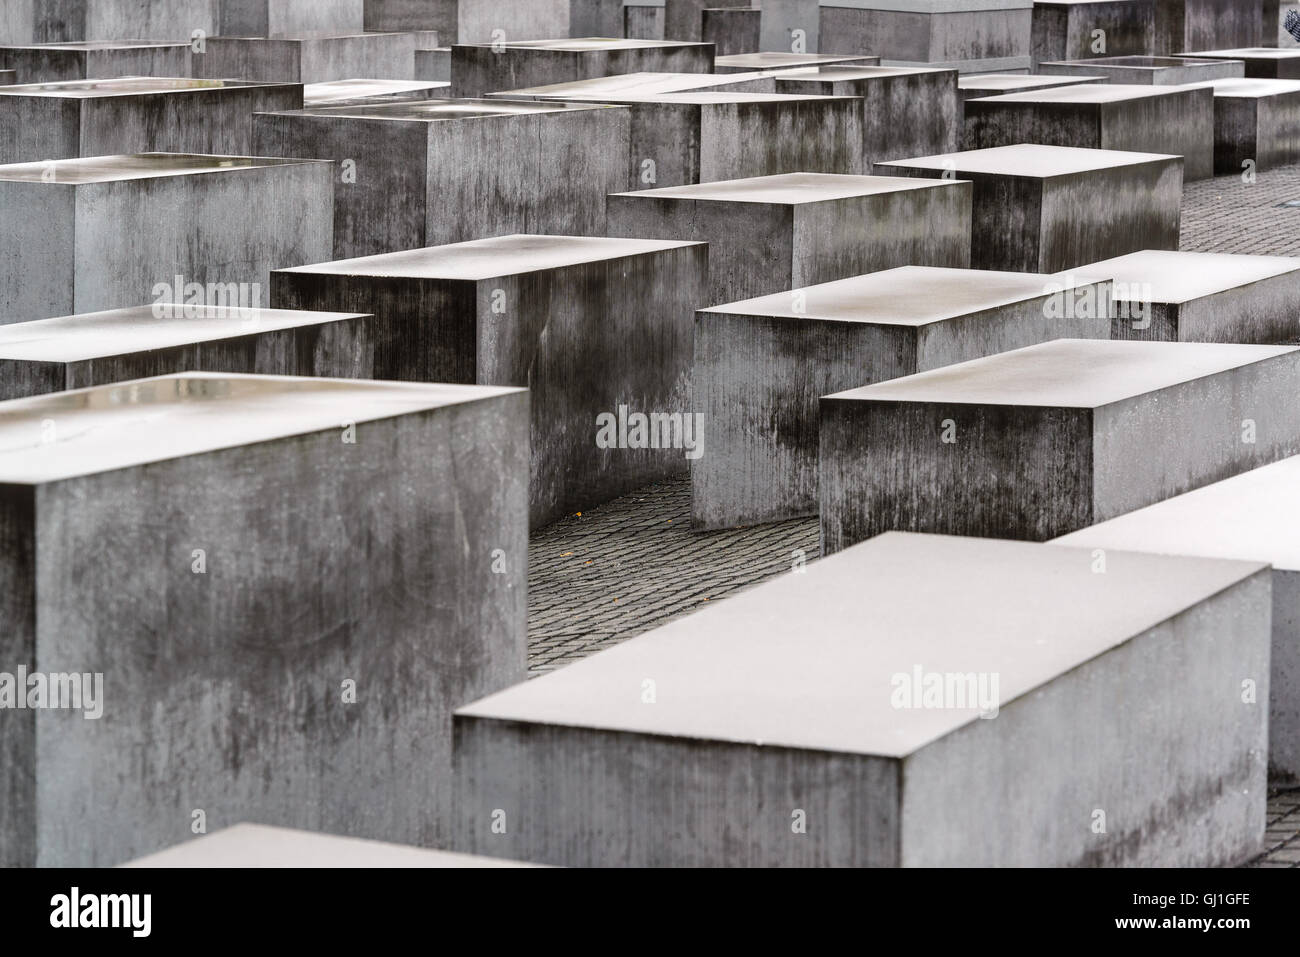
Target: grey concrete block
[977, 85]
[780, 60]
[433, 64]
[1261, 63]
[255, 845]
[270, 18]
[1150, 70]
[479, 21]
[74, 352]
[102, 60]
[684, 19]
[772, 233]
[1066, 29]
[313, 59]
[643, 22]
[1206, 25]
[780, 733]
[1250, 516]
[101, 233]
[1256, 124]
[1146, 119]
[1045, 440]
[8, 77]
[592, 326]
[732, 29]
[377, 92]
[761, 364]
[60, 21]
[643, 84]
[464, 169]
[290, 537]
[1203, 297]
[790, 25]
[905, 111]
[1050, 208]
[134, 115]
[973, 35]
[477, 69]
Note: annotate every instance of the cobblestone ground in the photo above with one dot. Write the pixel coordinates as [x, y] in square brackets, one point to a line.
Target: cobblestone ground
[601, 576]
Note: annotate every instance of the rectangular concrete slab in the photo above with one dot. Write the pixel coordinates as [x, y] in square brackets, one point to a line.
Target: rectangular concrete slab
[256, 845]
[1206, 25]
[1066, 29]
[761, 364]
[1176, 120]
[732, 29]
[8, 77]
[1262, 63]
[433, 64]
[975, 36]
[771, 233]
[313, 585]
[780, 60]
[787, 726]
[269, 18]
[61, 21]
[72, 352]
[1050, 208]
[684, 19]
[352, 92]
[1045, 440]
[83, 118]
[642, 84]
[1256, 124]
[592, 326]
[465, 169]
[1147, 70]
[1252, 516]
[1177, 296]
[481, 68]
[103, 233]
[475, 21]
[96, 60]
[313, 58]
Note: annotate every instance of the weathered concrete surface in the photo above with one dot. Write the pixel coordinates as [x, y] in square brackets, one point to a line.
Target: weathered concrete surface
[1147, 119]
[1256, 124]
[1150, 70]
[1050, 208]
[684, 19]
[776, 735]
[433, 64]
[59, 21]
[732, 29]
[772, 233]
[1203, 297]
[974, 36]
[778, 60]
[1261, 63]
[676, 139]
[269, 18]
[356, 92]
[1045, 440]
[464, 169]
[134, 115]
[905, 111]
[313, 59]
[974, 86]
[50, 63]
[480, 68]
[643, 23]
[790, 25]
[1064, 29]
[8, 77]
[475, 21]
[1206, 25]
[589, 325]
[1251, 516]
[642, 84]
[94, 234]
[761, 364]
[255, 845]
[277, 559]
[74, 352]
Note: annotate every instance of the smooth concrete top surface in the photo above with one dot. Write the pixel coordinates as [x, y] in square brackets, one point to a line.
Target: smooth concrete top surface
[95, 45]
[1254, 516]
[315, 37]
[1088, 93]
[780, 59]
[904, 296]
[256, 845]
[809, 660]
[489, 258]
[61, 435]
[1029, 159]
[1067, 373]
[932, 6]
[704, 97]
[1136, 62]
[436, 110]
[1247, 53]
[590, 44]
[126, 86]
[116, 332]
[634, 83]
[792, 189]
[1174, 276]
[1249, 87]
[1017, 81]
[332, 91]
[844, 74]
[106, 169]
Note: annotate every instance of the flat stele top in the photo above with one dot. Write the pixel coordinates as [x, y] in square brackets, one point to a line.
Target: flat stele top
[590, 44]
[706, 98]
[96, 45]
[117, 332]
[1028, 159]
[1017, 81]
[1250, 87]
[779, 59]
[634, 83]
[806, 660]
[334, 91]
[1067, 373]
[490, 258]
[904, 296]
[1085, 93]
[1168, 276]
[1254, 516]
[257, 845]
[62, 435]
[107, 169]
[1138, 62]
[791, 189]
[438, 110]
[126, 86]
[1248, 53]
[847, 74]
